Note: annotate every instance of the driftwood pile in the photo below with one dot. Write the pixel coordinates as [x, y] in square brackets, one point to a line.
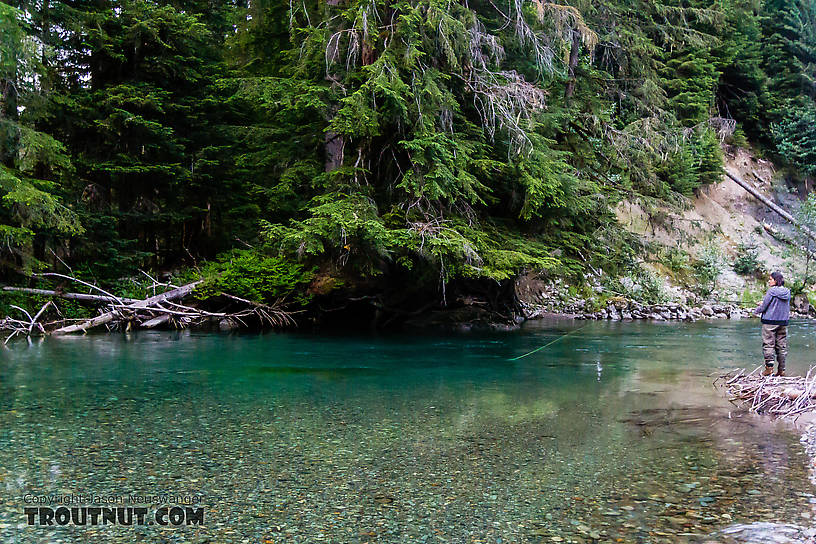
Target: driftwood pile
[162, 309]
[781, 396]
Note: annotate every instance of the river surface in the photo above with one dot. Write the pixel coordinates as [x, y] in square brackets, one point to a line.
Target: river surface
[611, 434]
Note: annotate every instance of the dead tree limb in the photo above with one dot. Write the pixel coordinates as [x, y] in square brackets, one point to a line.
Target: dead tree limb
[92, 286]
[82, 297]
[37, 316]
[274, 315]
[107, 317]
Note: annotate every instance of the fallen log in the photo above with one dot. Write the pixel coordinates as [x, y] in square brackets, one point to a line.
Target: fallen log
[151, 312]
[155, 322]
[107, 317]
[82, 297]
[776, 208]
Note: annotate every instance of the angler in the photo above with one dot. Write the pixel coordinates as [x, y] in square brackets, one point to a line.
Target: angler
[775, 312]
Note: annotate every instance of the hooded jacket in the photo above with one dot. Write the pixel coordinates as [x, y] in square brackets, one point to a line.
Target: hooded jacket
[775, 307]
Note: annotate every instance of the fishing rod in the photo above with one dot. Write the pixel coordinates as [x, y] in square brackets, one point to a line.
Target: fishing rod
[742, 302]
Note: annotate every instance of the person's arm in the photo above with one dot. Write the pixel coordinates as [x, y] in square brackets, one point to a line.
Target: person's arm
[764, 304]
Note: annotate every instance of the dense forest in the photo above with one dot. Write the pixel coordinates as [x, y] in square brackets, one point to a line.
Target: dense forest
[403, 149]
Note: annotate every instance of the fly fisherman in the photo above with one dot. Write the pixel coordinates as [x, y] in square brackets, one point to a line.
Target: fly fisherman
[775, 311]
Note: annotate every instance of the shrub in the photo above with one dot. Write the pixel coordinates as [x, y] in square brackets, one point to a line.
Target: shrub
[640, 284]
[676, 261]
[747, 260]
[708, 268]
[255, 276]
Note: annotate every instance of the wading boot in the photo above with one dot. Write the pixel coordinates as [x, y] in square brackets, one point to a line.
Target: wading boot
[768, 370]
[780, 373]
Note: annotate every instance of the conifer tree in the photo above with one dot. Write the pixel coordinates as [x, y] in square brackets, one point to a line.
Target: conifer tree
[34, 166]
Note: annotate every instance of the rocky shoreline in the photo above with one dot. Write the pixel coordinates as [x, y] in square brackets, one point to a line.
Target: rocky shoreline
[625, 310]
[538, 299]
[472, 319]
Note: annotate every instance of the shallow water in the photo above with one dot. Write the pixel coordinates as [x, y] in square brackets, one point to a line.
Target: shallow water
[613, 433]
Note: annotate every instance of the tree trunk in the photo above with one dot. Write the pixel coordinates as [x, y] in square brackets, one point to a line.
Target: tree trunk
[573, 63]
[46, 81]
[333, 142]
[10, 148]
[334, 145]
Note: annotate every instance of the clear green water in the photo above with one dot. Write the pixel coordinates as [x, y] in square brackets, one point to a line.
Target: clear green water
[611, 434]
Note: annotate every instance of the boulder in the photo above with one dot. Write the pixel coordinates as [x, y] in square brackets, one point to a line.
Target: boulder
[801, 303]
[227, 324]
[707, 310]
[620, 303]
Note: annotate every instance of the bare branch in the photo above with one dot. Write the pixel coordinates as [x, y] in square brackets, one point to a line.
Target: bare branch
[54, 274]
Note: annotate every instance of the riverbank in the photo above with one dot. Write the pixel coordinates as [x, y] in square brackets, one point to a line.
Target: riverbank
[539, 298]
[624, 310]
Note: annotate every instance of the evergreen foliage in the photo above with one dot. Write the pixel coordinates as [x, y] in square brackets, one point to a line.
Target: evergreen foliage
[258, 277]
[455, 141]
[33, 165]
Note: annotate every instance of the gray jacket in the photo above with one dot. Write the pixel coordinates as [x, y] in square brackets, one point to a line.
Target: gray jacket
[775, 307]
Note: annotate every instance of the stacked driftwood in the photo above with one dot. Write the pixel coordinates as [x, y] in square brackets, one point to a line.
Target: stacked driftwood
[164, 309]
[782, 396]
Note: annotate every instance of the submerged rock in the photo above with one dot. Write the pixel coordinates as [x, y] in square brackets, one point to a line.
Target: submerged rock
[227, 324]
[766, 533]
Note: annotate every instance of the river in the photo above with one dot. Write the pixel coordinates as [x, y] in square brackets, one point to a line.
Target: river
[611, 434]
